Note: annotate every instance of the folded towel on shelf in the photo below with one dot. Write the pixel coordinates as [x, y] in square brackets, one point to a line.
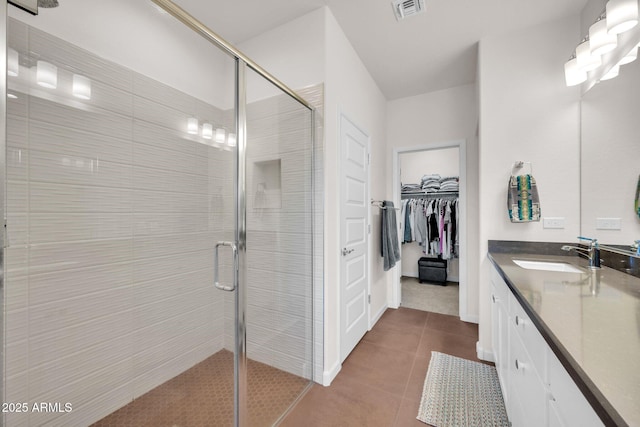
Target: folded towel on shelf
[389, 235]
[523, 202]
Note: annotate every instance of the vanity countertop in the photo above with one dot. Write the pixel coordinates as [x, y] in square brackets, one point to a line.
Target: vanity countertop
[591, 321]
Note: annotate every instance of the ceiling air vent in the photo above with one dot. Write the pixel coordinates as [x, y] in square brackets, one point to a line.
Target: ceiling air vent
[405, 8]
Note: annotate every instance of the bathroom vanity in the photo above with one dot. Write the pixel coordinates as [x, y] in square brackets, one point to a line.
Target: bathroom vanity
[566, 339]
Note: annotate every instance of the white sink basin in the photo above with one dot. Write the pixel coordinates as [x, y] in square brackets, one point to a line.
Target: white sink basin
[562, 267]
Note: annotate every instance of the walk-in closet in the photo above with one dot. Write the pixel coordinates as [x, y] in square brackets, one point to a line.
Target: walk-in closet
[429, 222]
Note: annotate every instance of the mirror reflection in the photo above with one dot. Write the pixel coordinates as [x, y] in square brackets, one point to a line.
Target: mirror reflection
[610, 159]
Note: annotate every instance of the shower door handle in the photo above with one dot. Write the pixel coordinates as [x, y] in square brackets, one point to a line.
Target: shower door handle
[216, 280]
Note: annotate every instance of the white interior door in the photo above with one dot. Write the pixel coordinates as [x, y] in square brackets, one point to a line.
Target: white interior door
[354, 292]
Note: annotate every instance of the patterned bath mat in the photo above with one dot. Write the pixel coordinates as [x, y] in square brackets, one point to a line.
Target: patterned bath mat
[458, 392]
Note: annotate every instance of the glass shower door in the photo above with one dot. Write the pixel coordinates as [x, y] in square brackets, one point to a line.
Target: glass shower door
[120, 182]
[278, 262]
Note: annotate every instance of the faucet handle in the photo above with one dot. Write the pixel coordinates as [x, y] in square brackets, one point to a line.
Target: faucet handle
[592, 242]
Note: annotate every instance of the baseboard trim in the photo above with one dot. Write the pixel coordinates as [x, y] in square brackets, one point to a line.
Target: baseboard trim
[484, 354]
[470, 319]
[377, 316]
[330, 375]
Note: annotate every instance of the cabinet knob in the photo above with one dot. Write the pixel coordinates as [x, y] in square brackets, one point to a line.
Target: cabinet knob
[518, 365]
[493, 298]
[519, 321]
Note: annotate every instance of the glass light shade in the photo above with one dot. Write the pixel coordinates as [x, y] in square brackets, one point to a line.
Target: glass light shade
[46, 75]
[629, 57]
[220, 135]
[192, 126]
[231, 140]
[586, 61]
[611, 73]
[13, 62]
[81, 87]
[207, 130]
[600, 41]
[622, 15]
[572, 74]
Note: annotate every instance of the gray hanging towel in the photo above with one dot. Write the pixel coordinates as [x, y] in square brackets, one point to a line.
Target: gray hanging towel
[389, 233]
[637, 205]
[523, 202]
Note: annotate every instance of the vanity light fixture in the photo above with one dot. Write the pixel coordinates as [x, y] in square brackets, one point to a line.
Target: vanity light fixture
[207, 130]
[601, 41]
[572, 74]
[46, 75]
[586, 61]
[231, 140]
[611, 73]
[81, 87]
[192, 126]
[622, 15]
[220, 135]
[13, 62]
[629, 57]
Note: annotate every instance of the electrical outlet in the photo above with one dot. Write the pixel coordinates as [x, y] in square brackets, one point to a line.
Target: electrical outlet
[608, 224]
[553, 222]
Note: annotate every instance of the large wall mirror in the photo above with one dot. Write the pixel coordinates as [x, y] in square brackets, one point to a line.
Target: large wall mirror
[610, 158]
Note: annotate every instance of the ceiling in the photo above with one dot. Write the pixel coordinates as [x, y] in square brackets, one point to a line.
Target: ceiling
[427, 52]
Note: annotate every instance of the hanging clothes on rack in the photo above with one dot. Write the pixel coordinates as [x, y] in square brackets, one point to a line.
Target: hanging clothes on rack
[432, 222]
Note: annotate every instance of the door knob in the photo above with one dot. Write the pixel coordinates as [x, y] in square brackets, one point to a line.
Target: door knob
[346, 251]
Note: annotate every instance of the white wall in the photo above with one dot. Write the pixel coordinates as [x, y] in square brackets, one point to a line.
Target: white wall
[413, 166]
[146, 40]
[351, 90]
[445, 115]
[293, 52]
[527, 113]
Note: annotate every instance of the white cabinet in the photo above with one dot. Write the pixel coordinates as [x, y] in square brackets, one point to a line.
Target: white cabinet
[571, 407]
[537, 389]
[499, 332]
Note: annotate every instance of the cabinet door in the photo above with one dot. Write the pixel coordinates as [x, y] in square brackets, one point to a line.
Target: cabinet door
[499, 332]
[570, 404]
[555, 420]
[528, 390]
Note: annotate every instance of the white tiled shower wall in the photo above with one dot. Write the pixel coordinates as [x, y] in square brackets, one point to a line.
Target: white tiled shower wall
[113, 213]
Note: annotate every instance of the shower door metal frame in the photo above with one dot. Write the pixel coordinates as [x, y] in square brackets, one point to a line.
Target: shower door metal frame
[242, 63]
[3, 186]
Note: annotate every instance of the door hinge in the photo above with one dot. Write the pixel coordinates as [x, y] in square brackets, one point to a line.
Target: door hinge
[368, 158]
[369, 226]
[369, 298]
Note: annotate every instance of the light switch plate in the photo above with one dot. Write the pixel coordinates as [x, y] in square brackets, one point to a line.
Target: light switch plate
[553, 222]
[608, 224]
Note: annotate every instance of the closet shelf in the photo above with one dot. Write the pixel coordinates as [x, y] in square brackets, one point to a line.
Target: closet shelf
[429, 195]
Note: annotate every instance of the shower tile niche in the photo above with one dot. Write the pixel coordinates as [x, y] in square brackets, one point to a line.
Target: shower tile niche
[267, 184]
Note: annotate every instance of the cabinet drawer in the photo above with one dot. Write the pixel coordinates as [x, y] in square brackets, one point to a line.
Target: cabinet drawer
[528, 333]
[499, 288]
[527, 392]
[570, 406]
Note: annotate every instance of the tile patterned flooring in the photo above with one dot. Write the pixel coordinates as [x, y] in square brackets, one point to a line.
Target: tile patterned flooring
[381, 382]
[203, 397]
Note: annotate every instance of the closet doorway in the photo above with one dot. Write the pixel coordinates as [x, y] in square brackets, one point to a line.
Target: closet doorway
[424, 176]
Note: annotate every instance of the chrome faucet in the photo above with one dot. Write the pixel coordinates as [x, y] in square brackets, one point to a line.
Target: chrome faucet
[592, 252]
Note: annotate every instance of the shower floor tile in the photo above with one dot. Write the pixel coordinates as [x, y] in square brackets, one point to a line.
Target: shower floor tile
[203, 396]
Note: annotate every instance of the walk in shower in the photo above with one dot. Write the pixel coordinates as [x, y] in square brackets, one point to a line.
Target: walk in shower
[158, 254]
